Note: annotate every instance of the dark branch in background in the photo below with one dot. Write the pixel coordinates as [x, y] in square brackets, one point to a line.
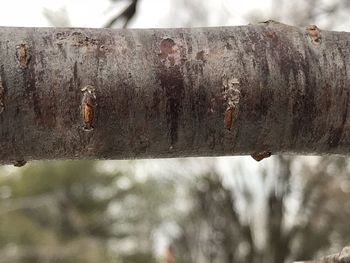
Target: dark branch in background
[126, 15]
[342, 257]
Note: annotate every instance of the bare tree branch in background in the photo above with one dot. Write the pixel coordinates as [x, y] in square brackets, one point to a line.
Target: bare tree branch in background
[125, 15]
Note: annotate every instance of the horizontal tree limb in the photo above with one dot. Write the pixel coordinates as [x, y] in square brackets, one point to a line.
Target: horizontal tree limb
[69, 93]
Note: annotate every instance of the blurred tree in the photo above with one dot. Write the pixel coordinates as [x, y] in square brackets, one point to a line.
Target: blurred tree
[217, 230]
[76, 212]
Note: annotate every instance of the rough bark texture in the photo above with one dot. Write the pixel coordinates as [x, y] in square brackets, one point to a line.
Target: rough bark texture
[256, 89]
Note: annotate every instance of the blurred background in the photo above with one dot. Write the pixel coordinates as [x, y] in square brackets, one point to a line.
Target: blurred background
[227, 209]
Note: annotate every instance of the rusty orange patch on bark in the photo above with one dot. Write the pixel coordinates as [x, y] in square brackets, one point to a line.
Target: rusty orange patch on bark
[228, 119]
[23, 56]
[89, 107]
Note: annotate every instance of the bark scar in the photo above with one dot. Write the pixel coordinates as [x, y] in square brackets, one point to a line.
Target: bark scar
[23, 56]
[258, 156]
[314, 33]
[89, 107]
[169, 54]
[77, 39]
[231, 95]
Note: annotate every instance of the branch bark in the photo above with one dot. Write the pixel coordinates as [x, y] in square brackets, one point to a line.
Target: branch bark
[68, 93]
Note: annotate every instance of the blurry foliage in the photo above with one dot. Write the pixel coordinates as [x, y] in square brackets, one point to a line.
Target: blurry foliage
[85, 211]
[74, 205]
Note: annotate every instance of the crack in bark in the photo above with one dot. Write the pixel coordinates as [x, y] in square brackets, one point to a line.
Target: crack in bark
[23, 55]
[231, 96]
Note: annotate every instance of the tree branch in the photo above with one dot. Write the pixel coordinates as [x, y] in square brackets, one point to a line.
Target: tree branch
[69, 93]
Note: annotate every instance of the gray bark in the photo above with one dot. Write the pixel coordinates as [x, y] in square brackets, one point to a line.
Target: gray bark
[68, 93]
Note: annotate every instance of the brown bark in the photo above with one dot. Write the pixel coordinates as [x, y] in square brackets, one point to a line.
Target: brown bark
[265, 88]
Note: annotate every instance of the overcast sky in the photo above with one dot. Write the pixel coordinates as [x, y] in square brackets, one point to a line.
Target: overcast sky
[93, 13]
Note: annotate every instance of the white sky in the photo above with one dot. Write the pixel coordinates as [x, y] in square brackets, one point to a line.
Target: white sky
[93, 13]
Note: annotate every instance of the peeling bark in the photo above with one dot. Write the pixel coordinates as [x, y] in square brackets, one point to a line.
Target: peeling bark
[166, 92]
